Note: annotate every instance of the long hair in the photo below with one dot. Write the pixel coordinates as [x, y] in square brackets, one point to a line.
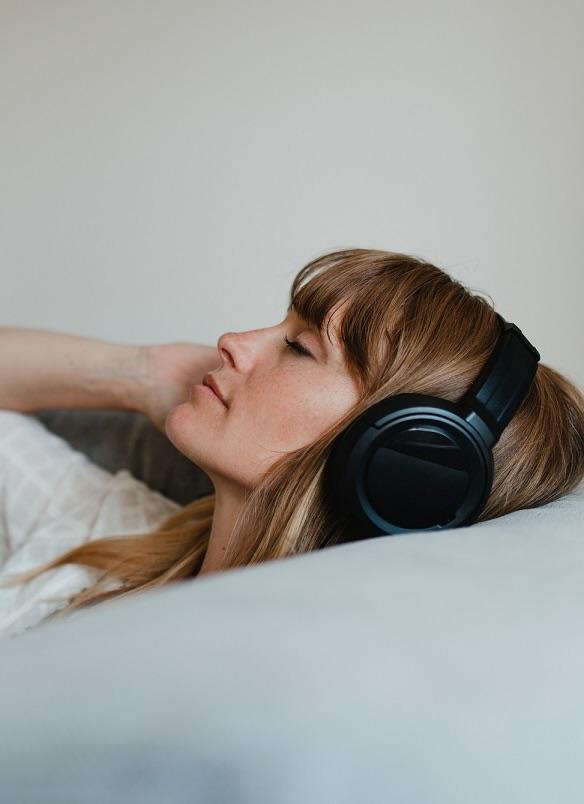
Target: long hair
[408, 327]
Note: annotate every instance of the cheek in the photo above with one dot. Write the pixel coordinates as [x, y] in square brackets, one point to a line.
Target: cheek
[291, 415]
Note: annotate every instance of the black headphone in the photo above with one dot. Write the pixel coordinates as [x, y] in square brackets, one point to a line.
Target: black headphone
[419, 462]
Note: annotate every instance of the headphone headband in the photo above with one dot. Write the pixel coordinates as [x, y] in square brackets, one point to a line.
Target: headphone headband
[501, 386]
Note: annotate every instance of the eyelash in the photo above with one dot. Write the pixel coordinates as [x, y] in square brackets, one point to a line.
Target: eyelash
[296, 347]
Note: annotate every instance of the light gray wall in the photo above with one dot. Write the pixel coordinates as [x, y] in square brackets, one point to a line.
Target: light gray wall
[167, 167]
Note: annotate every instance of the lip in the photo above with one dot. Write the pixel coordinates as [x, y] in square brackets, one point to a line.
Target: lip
[211, 383]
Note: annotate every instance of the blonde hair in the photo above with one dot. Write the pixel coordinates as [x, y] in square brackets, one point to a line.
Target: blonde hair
[407, 327]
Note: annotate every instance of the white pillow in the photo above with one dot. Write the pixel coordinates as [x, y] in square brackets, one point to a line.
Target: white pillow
[437, 668]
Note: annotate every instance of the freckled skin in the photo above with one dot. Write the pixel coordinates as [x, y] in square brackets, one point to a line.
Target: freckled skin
[278, 401]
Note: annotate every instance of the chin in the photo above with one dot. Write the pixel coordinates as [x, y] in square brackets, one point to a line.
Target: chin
[183, 430]
[175, 426]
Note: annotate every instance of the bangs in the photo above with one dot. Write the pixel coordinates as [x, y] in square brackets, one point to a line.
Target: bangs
[326, 283]
[383, 294]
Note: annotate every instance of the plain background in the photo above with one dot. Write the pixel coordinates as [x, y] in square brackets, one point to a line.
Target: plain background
[167, 167]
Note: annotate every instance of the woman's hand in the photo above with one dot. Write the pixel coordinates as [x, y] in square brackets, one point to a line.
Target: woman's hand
[169, 372]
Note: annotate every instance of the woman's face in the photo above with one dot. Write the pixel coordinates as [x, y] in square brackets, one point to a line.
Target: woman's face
[277, 400]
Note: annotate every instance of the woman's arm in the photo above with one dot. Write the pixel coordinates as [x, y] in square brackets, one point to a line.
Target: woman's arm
[42, 369]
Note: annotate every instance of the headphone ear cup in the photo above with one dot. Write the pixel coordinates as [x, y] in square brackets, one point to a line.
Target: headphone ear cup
[419, 477]
[410, 462]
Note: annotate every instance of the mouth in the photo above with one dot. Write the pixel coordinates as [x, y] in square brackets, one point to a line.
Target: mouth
[210, 383]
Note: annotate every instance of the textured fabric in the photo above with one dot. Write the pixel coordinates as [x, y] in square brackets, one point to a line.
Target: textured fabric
[53, 498]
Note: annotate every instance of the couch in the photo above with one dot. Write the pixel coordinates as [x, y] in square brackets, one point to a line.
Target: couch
[417, 669]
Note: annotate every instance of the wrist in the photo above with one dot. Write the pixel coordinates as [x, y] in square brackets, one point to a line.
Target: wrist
[127, 372]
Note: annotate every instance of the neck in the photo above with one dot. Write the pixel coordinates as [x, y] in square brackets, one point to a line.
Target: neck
[228, 502]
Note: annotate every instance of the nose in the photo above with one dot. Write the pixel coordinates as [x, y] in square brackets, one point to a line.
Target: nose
[225, 347]
[240, 349]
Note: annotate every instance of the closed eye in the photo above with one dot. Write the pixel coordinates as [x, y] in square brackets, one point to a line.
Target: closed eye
[297, 347]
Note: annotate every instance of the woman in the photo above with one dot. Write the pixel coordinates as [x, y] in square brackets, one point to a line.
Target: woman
[362, 324]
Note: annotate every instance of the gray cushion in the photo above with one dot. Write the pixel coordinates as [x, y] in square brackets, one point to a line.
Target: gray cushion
[423, 668]
[127, 440]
